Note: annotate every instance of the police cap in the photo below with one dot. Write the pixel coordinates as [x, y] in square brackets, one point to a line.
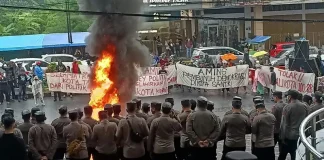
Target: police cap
[240, 155]
[237, 98]
[102, 114]
[116, 106]
[63, 108]
[318, 95]
[259, 105]
[40, 113]
[257, 97]
[167, 105]
[73, 112]
[138, 102]
[202, 101]
[131, 106]
[293, 93]
[145, 105]
[170, 100]
[107, 106]
[210, 105]
[9, 110]
[25, 112]
[256, 101]
[185, 103]
[277, 93]
[34, 110]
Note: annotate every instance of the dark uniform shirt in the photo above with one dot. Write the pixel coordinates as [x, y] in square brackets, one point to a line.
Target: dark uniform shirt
[202, 125]
[90, 144]
[59, 124]
[161, 137]
[112, 119]
[234, 127]
[277, 112]
[91, 122]
[24, 128]
[42, 140]
[12, 148]
[132, 149]
[263, 128]
[292, 116]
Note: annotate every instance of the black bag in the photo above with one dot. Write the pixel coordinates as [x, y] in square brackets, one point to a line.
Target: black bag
[135, 136]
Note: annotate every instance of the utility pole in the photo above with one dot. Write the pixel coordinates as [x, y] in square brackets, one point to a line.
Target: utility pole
[68, 23]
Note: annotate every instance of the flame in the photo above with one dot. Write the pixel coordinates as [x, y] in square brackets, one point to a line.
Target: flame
[103, 89]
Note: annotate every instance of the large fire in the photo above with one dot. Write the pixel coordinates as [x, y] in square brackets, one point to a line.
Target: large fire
[103, 89]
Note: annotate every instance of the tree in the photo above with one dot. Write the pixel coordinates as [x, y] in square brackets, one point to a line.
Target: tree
[24, 22]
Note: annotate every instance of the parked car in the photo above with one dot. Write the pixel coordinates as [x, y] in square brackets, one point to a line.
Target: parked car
[216, 52]
[66, 59]
[278, 47]
[27, 63]
[279, 59]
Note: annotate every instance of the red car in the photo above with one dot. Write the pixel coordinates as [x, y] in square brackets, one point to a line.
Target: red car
[278, 47]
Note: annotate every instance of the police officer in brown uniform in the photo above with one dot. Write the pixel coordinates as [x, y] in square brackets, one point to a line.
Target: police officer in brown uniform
[33, 111]
[17, 132]
[74, 132]
[90, 146]
[318, 104]
[161, 137]
[263, 128]
[193, 104]
[184, 141]
[156, 110]
[104, 135]
[42, 138]
[117, 110]
[253, 113]
[236, 98]
[292, 116]
[109, 109]
[24, 127]
[146, 109]
[59, 124]
[175, 113]
[233, 129]
[130, 134]
[12, 112]
[138, 109]
[203, 129]
[91, 122]
[277, 112]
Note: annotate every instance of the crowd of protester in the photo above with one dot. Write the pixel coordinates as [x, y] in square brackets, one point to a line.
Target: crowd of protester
[164, 133]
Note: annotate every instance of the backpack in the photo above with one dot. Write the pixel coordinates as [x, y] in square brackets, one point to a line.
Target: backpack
[75, 146]
[134, 136]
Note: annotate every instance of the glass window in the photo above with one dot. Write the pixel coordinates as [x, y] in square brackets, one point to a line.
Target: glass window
[66, 59]
[286, 46]
[44, 64]
[48, 59]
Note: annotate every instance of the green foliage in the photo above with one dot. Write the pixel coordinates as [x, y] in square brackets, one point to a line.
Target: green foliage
[24, 22]
[51, 68]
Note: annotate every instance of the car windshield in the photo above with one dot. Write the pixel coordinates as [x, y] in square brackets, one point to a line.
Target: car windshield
[280, 54]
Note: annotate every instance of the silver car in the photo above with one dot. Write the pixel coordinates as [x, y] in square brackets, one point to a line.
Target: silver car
[216, 52]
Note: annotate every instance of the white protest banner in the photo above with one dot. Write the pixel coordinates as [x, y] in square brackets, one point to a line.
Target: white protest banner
[171, 73]
[152, 85]
[68, 82]
[302, 82]
[213, 78]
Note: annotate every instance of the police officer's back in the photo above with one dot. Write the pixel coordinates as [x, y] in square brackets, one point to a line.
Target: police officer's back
[24, 127]
[156, 108]
[42, 138]
[138, 109]
[110, 111]
[263, 128]
[133, 146]
[293, 115]
[203, 129]
[233, 129]
[277, 112]
[59, 124]
[161, 137]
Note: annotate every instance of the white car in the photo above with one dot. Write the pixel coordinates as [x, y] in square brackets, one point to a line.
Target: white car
[27, 63]
[66, 59]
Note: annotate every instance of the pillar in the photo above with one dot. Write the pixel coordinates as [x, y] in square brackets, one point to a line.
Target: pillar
[258, 25]
[247, 24]
[303, 18]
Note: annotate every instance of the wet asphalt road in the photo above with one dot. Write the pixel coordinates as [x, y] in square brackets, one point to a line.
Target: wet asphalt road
[222, 104]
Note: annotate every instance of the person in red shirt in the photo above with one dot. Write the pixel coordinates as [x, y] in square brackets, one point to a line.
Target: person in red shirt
[75, 67]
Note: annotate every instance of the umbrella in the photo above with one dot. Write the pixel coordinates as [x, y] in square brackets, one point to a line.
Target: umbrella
[229, 56]
[258, 54]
